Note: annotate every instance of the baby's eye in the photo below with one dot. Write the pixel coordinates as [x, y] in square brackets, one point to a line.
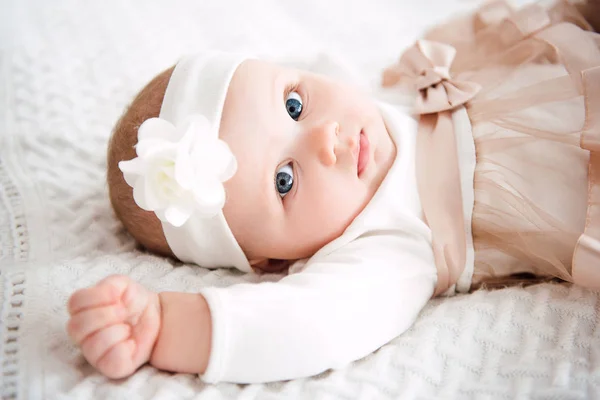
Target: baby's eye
[284, 179]
[293, 105]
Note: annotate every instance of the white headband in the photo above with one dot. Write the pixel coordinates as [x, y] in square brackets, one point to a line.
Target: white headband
[181, 163]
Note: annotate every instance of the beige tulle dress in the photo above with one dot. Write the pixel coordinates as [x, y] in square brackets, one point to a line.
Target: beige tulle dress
[524, 85]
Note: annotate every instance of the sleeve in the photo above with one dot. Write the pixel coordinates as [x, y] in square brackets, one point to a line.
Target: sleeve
[338, 309]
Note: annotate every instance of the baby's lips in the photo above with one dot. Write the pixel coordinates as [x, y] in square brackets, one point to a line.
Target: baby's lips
[363, 154]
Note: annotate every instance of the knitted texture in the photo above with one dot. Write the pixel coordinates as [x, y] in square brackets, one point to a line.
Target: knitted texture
[67, 70]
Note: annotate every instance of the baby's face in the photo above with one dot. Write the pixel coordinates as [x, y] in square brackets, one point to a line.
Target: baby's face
[311, 153]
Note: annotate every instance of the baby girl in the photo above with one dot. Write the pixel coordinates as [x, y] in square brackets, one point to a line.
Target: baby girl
[228, 161]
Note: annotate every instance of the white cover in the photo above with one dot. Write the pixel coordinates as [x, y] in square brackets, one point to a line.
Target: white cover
[67, 69]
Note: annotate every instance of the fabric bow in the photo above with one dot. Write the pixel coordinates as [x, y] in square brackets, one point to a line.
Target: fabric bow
[427, 65]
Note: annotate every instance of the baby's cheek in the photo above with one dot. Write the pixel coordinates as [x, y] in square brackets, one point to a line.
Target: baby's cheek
[365, 107]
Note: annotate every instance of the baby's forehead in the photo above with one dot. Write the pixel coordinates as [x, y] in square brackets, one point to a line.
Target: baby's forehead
[253, 72]
[254, 97]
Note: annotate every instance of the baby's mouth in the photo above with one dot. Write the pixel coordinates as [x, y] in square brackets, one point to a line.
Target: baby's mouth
[363, 153]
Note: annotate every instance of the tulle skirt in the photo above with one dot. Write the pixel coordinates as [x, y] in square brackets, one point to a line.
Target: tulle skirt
[536, 130]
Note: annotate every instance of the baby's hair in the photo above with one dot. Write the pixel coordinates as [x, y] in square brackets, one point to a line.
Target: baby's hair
[143, 225]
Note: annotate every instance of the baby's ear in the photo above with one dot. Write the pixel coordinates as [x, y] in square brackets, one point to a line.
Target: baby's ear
[269, 266]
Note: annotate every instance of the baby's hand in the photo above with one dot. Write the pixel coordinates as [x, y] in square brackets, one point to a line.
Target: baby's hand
[115, 323]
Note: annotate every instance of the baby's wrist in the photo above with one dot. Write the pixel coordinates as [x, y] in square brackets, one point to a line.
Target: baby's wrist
[184, 337]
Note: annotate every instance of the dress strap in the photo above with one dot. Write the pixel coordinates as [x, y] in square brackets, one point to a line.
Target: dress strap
[426, 66]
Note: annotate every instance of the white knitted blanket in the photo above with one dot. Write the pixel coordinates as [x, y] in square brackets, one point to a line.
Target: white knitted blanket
[67, 69]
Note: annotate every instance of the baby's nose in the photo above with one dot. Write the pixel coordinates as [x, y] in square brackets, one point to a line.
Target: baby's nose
[323, 138]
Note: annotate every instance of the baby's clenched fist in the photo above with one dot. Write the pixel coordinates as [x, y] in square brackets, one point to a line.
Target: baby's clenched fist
[115, 323]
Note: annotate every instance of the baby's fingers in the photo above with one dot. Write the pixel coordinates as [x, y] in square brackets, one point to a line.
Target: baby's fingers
[89, 321]
[106, 292]
[118, 361]
[99, 343]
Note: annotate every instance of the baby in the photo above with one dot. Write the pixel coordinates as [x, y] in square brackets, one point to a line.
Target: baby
[228, 161]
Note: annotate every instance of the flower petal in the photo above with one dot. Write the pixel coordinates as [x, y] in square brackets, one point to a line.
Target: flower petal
[226, 161]
[131, 170]
[209, 196]
[156, 128]
[139, 194]
[201, 155]
[161, 215]
[151, 146]
[177, 214]
[184, 169]
[215, 156]
[153, 195]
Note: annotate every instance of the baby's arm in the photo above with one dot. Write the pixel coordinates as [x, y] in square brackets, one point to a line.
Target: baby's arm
[340, 308]
[183, 344]
[120, 325]
[337, 310]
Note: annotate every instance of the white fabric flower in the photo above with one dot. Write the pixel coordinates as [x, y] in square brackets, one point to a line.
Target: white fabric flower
[179, 170]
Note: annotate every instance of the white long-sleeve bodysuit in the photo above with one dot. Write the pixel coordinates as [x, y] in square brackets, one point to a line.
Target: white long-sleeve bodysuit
[536, 170]
[350, 298]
